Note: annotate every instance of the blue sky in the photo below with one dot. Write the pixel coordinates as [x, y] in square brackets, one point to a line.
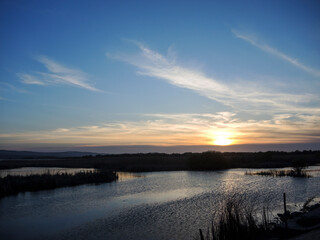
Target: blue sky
[163, 73]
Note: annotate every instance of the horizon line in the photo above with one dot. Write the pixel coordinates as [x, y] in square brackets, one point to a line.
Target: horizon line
[130, 149]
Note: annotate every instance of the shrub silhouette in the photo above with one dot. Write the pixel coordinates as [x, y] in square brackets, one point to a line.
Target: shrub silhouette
[298, 165]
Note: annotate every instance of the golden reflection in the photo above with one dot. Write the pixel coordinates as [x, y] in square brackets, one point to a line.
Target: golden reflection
[123, 176]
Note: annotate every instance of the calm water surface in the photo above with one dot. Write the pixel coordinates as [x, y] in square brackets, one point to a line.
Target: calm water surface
[159, 205]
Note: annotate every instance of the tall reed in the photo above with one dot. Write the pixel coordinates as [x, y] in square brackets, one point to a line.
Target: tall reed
[237, 219]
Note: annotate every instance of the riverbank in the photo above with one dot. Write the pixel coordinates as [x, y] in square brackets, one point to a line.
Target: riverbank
[305, 220]
[11, 185]
[237, 219]
[305, 223]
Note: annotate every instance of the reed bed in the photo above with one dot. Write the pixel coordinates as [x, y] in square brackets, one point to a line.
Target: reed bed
[237, 219]
[11, 185]
[280, 173]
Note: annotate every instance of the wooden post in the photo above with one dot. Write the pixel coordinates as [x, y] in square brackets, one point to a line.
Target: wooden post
[201, 235]
[285, 210]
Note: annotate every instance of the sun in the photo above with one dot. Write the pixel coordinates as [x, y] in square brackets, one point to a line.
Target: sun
[222, 138]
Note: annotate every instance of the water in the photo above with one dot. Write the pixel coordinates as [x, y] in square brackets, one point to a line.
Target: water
[159, 205]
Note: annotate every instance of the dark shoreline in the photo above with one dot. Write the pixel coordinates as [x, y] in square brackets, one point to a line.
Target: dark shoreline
[171, 162]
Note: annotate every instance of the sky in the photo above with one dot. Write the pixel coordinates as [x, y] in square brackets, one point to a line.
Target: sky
[166, 74]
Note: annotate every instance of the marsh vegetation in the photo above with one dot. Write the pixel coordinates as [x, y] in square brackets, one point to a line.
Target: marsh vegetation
[297, 170]
[14, 184]
[279, 173]
[237, 219]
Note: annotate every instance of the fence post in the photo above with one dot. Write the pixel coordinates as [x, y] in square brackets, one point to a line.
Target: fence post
[201, 235]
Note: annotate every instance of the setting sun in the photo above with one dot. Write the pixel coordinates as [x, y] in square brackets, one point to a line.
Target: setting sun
[222, 138]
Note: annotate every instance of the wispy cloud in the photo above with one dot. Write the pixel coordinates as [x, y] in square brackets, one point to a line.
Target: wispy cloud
[179, 129]
[4, 86]
[244, 96]
[271, 50]
[7, 87]
[30, 79]
[57, 74]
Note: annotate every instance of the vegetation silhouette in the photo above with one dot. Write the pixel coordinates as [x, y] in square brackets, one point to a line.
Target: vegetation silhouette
[239, 218]
[236, 219]
[297, 167]
[279, 173]
[205, 161]
[297, 170]
[11, 185]
[146, 162]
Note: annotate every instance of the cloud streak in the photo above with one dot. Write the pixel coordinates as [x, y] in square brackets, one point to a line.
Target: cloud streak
[277, 53]
[179, 129]
[244, 96]
[57, 74]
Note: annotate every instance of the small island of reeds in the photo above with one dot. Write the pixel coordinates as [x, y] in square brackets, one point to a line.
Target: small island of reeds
[11, 185]
[279, 173]
[298, 170]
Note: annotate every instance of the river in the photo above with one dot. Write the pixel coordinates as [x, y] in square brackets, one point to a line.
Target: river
[157, 205]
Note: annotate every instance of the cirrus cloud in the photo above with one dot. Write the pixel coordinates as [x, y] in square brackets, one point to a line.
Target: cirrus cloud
[57, 74]
[277, 53]
[244, 96]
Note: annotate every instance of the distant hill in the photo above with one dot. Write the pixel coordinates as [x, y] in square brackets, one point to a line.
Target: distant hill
[5, 154]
